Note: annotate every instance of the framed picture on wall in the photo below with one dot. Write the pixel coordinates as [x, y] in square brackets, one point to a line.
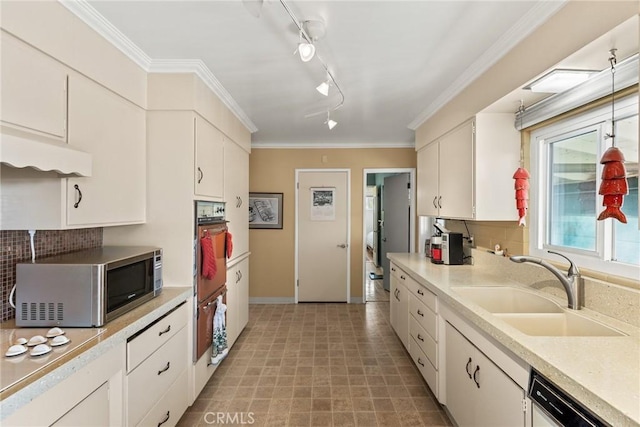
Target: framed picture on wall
[265, 210]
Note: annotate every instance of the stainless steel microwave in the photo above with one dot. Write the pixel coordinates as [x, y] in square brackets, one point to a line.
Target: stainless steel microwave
[86, 288]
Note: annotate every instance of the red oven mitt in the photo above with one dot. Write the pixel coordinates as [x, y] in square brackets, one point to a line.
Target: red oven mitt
[229, 245]
[209, 266]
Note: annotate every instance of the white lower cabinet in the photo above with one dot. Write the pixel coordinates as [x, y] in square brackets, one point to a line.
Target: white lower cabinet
[237, 300]
[399, 306]
[157, 376]
[479, 393]
[90, 397]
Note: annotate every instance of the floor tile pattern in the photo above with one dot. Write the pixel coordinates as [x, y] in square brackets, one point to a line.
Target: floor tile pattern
[317, 365]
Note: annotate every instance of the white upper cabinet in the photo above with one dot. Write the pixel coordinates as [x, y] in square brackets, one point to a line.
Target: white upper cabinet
[467, 173]
[33, 89]
[113, 130]
[236, 194]
[209, 162]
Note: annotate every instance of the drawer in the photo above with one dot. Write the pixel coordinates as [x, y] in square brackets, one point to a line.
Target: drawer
[171, 406]
[395, 270]
[427, 297]
[141, 345]
[425, 317]
[426, 343]
[427, 370]
[148, 382]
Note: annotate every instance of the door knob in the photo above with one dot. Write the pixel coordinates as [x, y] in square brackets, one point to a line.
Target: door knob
[343, 246]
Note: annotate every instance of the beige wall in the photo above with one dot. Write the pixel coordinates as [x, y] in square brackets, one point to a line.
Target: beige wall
[273, 171]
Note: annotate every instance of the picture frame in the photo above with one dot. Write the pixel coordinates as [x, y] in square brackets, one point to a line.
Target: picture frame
[265, 210]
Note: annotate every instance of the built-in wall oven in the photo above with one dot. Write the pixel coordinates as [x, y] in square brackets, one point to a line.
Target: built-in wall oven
[210, 270]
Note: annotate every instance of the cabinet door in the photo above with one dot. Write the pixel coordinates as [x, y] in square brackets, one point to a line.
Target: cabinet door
[458, 377]
[233, 329]
[92, 411]
[243, 295]
[427, 190]
[33, 89]
[113, 130]
[236, 194]
[456, 173]
[209, 165]
[403, 315]
[393, 302]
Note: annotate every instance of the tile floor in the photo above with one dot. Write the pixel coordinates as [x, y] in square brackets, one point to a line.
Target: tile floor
[317, 365]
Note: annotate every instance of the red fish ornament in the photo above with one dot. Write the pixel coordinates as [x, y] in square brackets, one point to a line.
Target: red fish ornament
[614, 185]
[522, 193]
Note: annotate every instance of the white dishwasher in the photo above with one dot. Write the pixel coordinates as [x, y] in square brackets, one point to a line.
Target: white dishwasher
[551, 407]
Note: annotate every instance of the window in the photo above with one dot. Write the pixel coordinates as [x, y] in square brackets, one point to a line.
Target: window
[566, 176]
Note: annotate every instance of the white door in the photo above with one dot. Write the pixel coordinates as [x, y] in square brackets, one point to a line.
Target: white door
[322, 220]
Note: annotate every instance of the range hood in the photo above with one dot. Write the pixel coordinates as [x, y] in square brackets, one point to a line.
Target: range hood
[43, 154]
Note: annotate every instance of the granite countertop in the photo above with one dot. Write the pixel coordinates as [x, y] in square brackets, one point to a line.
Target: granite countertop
[98, 341]
[603, 373]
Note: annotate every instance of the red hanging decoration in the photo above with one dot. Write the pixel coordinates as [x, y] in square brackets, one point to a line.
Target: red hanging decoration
[614, 184]
[522, 181]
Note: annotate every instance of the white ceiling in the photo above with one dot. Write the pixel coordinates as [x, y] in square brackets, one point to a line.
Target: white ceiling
[396, 62]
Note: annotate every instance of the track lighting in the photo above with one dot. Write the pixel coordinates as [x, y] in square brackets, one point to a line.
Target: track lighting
[306, 50]
[323, 87]
[330, 123]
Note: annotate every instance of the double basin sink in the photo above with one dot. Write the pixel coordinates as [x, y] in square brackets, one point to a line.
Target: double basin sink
[531, 313]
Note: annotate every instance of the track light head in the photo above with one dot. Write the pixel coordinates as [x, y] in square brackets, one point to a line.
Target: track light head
[306, 51]
[323, 88]
[330, 123]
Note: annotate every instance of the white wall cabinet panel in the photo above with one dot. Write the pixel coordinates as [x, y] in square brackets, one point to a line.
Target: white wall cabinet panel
[467, 173]
[113, 130]
[237, 300]
[236, 194]
[33, 86]
[209, 162]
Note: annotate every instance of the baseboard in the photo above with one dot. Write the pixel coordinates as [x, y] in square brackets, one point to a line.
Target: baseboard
[272, 300]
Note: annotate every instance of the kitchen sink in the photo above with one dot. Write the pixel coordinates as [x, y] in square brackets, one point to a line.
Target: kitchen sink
[499, 299]
[557, 324]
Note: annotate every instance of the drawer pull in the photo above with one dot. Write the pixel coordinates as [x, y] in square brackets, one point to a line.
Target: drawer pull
[420, 313]
[165, 331]
[402, 277]
[466, 368]
[422, 364]
[393, 269]
[476, 372]
[420, 292]
[165, 369]
[166, 418]
[420, 338]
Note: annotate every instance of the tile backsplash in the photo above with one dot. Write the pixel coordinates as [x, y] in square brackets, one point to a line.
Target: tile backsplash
[15, 248]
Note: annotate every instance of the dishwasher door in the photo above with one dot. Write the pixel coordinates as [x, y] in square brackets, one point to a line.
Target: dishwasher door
[553, 407]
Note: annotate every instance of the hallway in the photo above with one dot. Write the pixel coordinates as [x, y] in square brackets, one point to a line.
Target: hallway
[317, 365]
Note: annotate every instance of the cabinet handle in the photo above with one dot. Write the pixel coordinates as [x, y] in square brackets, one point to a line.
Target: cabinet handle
[420, 313]
[420, 292]
[434, 202]
[161, 333]
[476, 372]
[466, 368]
[420, 362]
[439, 200]
[240, 273]
[166, 418]
[420, 338]
[76, 204]
[402, 277]
[165, 369]
[393, 269]
[200, 175]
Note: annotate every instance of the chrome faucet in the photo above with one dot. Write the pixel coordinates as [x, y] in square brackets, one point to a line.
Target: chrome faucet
[571, 281]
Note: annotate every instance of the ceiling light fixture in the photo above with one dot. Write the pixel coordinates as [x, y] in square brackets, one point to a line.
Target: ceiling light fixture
[306, 50]
[559, 80]
[323, 87]
[329, 122]
[311, 31]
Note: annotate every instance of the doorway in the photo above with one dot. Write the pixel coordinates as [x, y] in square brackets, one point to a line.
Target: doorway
[375, 223]
[322, 267]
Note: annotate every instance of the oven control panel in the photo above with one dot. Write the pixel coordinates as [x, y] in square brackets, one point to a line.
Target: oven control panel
[207, 212]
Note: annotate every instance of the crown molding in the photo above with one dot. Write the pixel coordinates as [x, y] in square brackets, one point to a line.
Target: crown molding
[199, 68]
[323, 146]
[535, 17]
[90, 16]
